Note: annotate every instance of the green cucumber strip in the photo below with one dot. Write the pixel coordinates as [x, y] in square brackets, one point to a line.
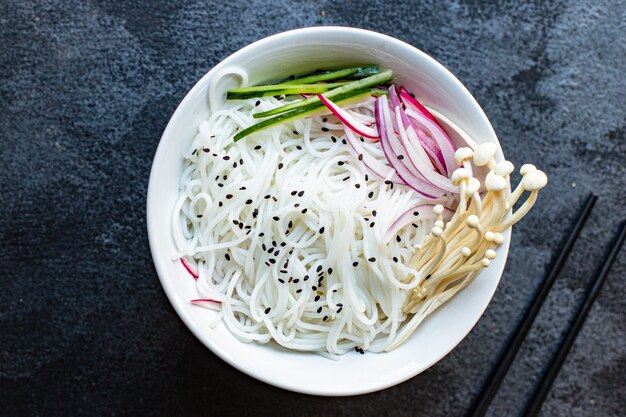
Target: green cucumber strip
[365, 72]
[280, 89]
[312, 109]
[333, 75]
[377, 92]
[370, 81]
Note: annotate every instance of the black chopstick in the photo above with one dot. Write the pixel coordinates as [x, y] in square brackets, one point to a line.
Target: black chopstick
[592, 292]
[479, 408]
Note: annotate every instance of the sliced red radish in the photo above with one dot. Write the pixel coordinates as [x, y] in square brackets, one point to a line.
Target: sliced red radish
[349, 120]
[189, 268]
[207, 303]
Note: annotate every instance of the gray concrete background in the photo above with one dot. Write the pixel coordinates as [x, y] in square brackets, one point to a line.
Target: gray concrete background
[87, 89]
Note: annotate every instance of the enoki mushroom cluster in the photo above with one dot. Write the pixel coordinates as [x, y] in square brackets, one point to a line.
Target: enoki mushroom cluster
[453, 253]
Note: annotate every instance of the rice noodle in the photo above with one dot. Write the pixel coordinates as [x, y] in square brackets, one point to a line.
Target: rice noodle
[262, 216]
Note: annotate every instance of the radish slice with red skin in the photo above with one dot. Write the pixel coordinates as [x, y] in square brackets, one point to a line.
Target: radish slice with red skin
[189, 269]
[385, 128]
[425, 211]
[372, 164]
[207, 303]
[424, 125]
[349, 120]
[407, 99]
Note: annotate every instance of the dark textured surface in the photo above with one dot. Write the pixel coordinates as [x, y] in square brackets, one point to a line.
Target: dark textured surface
[86, 90]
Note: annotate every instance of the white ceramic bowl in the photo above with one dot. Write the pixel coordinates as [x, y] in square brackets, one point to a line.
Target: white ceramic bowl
[281, 55]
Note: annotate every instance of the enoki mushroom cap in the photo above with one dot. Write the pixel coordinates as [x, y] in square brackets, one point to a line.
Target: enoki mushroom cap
[490, 254]
[495, 182]
[504, 168]
[472, 221]
[484, 153]
[463, 154]
[534, 180]
[460, 174]
[526, 168]
[438, 209]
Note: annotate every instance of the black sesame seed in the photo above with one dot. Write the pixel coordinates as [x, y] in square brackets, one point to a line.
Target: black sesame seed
[225, 177]
[235, 222]
[304, 210]
[314, 288]
[360, 157]
[295, 281]
[229, 196]
[388, 182]
[267, 196]
[282, 281]
[355, 264]
[374, 213]
[267, 310]
[414, 225]
[395, 259]
[227, 256]
[261, 234]
[255, 213]
[371, 194]
[290, 224]
[226, 158]
[274, 243]
[241, 161]
[217, 178]
[296, 205]
[321, 229]
[199, 216]
[257, 102]
[214, 154]
[357, 185]
[283, 244]
[325, 318]
[301, 193]
[334, 139]
[263, 245]
[400, 157]
[319, 268]
[319, 310]
[207, 150]
[242, 188]
[298, 147]
[290, 279]
[194, 151]
[267, 263]
[324, 119]
[294, 192]
[270, 250]
[220, 204]
[280, 165]
[340, 163]
[339, 310]
[257, 147]
[330, 271]
[234, 164]
[249, 201]
[372, 259]
[219, 184]
[241, 225]
[299, 290]
[346, 178]
[275, 199]
[272, 260]
[344, 141]
[276, 218]
[428, 276]
[362, 140]
[276, 253]
[295, 132]
[325, 129]
[305, 278]
[416, 213]
[398, 239]
[372, 224]
[367, 177]
[412, 95]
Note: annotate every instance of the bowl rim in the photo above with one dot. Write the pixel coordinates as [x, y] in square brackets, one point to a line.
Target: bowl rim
[168, 288]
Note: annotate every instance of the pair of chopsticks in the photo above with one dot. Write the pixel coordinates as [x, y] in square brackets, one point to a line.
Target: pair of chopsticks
[480, 406]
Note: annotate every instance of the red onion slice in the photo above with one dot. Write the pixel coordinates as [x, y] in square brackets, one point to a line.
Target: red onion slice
[424, 125]
[206, 303]
[389, 140]
[410, 101]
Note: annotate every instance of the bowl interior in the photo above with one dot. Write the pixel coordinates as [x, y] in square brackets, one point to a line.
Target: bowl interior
[281, 55]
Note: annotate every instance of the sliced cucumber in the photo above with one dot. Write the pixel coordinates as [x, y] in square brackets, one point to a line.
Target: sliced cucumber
[356, 72]
[280, 89]
[312, 109]
[370, 81]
